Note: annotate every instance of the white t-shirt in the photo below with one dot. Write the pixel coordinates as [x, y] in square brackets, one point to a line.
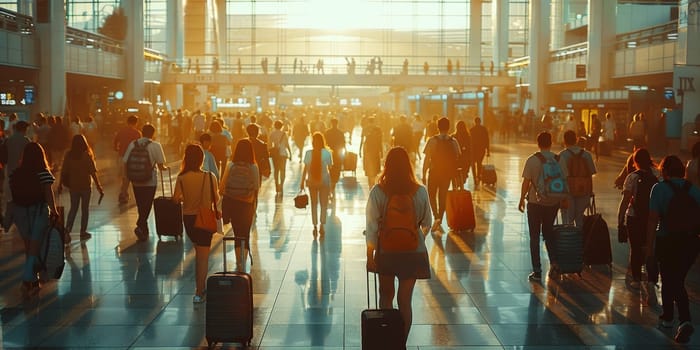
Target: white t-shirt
[326, 162]
[155, 151]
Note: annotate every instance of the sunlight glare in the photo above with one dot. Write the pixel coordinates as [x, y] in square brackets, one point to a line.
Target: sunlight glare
[338, 15]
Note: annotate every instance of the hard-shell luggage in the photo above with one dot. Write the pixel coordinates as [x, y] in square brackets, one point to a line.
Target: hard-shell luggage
[350, 162]
[596, 238]
[568, 248]
[488, 174]
[381, 328]
[229, 309]
[460, 210]
[168, 213]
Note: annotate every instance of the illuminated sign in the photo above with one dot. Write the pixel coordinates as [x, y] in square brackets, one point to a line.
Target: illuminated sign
[7, 99]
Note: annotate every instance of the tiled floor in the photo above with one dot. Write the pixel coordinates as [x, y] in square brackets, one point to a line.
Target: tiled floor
[117, 293]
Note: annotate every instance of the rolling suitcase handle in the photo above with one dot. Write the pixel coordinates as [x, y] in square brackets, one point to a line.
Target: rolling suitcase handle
[232, 238]
[376, 297]
[162, 182]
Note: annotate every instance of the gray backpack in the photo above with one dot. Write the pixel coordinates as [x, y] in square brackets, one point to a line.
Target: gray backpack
[240, 183]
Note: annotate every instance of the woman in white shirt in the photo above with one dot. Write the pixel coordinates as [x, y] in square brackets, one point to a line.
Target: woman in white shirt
[316, 175]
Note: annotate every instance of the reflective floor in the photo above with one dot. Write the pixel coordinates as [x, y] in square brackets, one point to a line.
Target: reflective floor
[117, 293]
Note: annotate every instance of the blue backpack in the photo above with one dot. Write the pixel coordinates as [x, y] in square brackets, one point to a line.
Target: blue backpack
[551, 184]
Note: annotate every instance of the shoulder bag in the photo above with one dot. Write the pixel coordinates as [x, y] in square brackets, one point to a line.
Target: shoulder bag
[208, 218]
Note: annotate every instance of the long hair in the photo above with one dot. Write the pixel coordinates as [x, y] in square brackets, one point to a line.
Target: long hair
[33, 158]
[318, 142]
[79, 146]
[193, 159]
[397, 177]
[244, 152]
[461, 131]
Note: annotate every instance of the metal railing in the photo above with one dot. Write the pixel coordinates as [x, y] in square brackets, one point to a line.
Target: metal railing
[91, 40]
[15, 22]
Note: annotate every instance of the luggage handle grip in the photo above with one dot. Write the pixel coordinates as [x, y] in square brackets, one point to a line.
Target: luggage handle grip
[234, 238]
[162, 182]
[376, 297]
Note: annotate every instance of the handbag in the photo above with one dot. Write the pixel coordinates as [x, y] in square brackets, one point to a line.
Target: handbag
[301, 200]
[208, 219]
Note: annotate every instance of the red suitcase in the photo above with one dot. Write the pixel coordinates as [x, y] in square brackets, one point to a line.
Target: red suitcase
[460, 210]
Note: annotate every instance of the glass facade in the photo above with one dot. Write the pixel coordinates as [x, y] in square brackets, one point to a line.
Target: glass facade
[390, 31]
[308, 30]
[154, 24]
[89, 15]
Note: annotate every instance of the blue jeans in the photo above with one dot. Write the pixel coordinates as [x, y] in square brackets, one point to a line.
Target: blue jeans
[540, 218]
[82, 198]
[574, 213]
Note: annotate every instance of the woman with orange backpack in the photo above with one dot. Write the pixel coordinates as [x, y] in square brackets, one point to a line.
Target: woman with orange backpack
[395, 247]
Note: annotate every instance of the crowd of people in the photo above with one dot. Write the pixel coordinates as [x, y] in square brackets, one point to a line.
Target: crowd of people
[226, 158]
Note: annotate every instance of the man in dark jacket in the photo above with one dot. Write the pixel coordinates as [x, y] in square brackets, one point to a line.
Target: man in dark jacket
[480, 148]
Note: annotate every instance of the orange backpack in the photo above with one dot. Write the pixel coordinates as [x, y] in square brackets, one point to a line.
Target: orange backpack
[398, 231]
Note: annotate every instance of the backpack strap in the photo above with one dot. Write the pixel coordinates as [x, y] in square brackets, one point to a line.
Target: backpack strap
[541, 157]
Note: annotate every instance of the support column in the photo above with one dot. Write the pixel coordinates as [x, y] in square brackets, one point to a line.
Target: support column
[499, 22]
[558, 23]
[175, 47]
[686, 71]
[51, 28]
[539, 54]
[174, 32]
[474, 59]
[222, 39]
[601, 41]
[133, 52]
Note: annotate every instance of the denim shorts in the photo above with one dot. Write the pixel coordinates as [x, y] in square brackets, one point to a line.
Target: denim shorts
[31, 221]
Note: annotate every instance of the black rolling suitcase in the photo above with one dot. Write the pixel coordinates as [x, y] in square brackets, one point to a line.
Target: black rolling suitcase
[568, 249]
[229, 317]
[168, 213]
[488, 175]
[596, 238]
[381, 328]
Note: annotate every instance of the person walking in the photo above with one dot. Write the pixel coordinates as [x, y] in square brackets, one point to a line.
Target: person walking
[209, 164]
[316, 176]
[541, 210]
[672, 238]
[336, 142]
[480, 148]
[280, 152]
[196, 189]
[34, 206]
[637, 131]
[398, 179]
[122, 140]
[633, 215]
[145, 190]
[440, 164]
[373, 147]
[239, 186]
[77, 174]
[300, 132]
[578, 168]
[464, 139]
